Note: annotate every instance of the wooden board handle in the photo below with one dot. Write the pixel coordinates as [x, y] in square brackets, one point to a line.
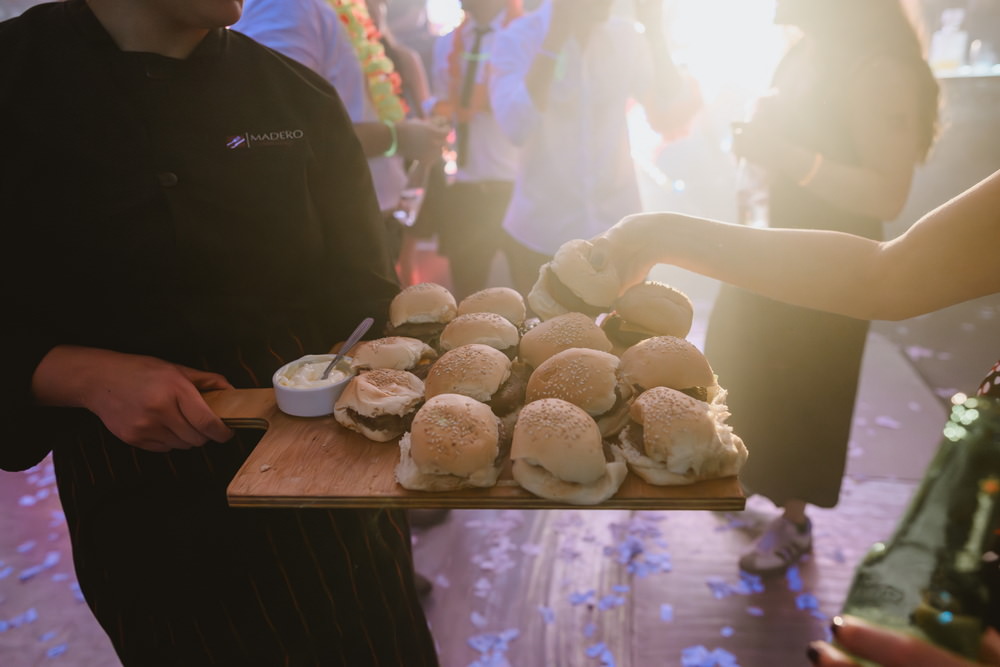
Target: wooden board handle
[242, 408]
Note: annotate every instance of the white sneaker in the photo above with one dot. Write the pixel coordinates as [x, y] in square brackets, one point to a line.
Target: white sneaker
[778, 548]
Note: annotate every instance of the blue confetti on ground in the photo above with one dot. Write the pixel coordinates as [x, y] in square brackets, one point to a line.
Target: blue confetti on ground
[699, 656]
[666, 613]
[610, 602]
[755, 611]
[596, 650]
[726, 631]
[23, 618]
[576, 599]
[806, 601]
[56, 651]
[794, 579]
[747, 585]
[491, 643]
[548, 615]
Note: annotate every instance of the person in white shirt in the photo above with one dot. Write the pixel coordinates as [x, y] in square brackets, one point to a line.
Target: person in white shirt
[310, 32]
[470, 215]
[562, 77]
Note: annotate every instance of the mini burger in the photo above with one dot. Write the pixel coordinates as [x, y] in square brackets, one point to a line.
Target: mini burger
[646, 310]
[397, 352]
[380, 403]
[569, 283]
[668, 361]
[483, 328]
[503, 301]
[672, 438]
[589, 380]
[561, 333]
[557, 454]
[452, 444]
[483, 373]
[421, 311]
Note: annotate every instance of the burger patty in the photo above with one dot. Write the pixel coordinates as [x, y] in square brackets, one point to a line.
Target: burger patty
[634, 433]
[510, 395]
[386, 423]
[422, 368]
[428, 332]
[623, 333]
[528, 325]
[618, 405]
[567, 298]
[700, 393]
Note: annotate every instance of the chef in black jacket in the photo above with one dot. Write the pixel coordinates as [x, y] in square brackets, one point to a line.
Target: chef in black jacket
[184, 210]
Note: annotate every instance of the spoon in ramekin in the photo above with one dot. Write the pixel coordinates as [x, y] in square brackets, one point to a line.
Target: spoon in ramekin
[351, 341]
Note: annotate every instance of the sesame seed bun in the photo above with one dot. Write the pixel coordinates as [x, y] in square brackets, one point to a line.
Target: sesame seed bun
[473, 370]
[561, 333]
[558, 454]
[453, 443]
[421, 304]
[398, 352]
[649, 309]
[484, 328]
[503, 301]
[667, 361]
[569, 282]
[588, 379]
[378, 403]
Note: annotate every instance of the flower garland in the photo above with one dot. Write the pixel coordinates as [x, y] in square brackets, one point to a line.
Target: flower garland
[384, 84]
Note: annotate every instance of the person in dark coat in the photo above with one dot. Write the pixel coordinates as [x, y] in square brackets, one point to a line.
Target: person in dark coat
[197, 211]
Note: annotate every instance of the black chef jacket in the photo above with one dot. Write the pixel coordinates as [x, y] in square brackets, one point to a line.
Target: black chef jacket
[216, 212]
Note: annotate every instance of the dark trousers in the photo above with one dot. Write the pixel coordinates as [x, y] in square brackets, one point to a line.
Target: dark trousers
[524, 264]
[470, 234]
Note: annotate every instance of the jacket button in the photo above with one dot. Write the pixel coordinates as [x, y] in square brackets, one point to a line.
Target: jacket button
[168, 179]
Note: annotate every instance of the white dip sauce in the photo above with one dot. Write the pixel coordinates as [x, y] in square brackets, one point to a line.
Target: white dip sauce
[307, 375]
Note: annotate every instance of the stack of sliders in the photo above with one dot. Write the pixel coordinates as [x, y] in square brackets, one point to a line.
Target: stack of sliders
[604, 384]
[485, 374]
[590, 380]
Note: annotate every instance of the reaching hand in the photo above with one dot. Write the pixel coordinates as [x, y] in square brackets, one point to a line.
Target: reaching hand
[889, 648]
[627, 246]
[146, 402]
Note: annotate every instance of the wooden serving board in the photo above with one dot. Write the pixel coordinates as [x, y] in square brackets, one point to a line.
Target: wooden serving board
[315, 462]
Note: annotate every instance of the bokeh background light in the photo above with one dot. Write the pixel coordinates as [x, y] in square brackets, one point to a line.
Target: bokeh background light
[731, 48]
